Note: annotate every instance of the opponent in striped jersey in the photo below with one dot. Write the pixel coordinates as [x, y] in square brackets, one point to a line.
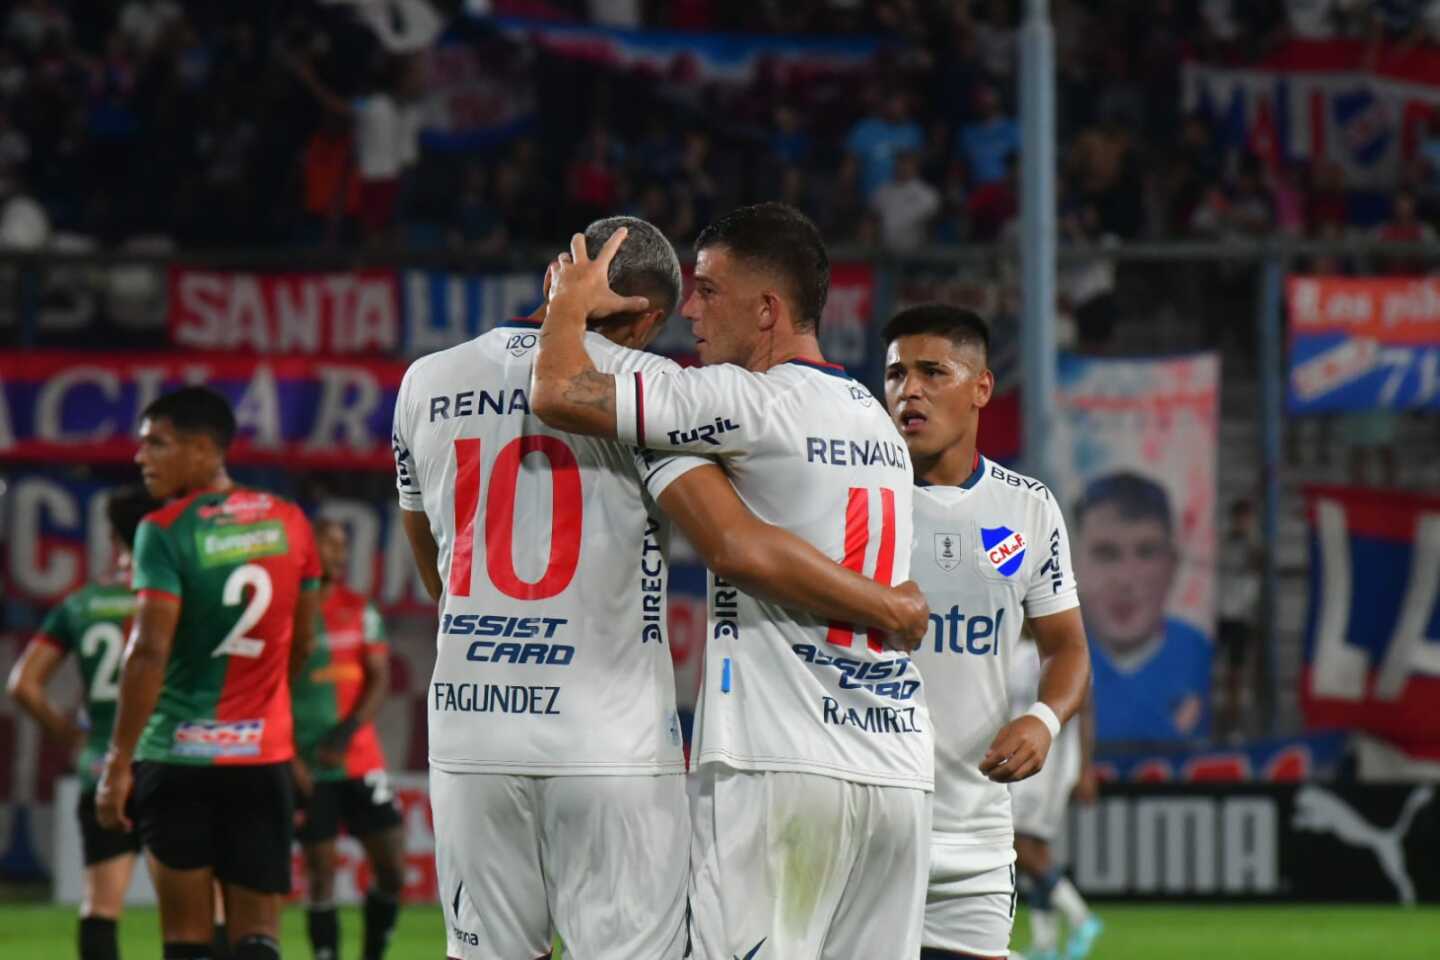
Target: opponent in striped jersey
[555, 749]
[991, 553]
[226, 580]
[339, 767]
[91, 624]
[813, 737]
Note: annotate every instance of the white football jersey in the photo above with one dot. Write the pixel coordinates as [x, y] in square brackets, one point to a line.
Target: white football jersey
[552, 655]
[988, 554]
[810, 450]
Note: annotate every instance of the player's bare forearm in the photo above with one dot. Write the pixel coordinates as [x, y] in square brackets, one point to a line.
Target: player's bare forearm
[771, 563]
[143, 674]
[1064, 661]
[302, 639]
[372, 695]
[26, 686]
[424, 549]
[567, 392]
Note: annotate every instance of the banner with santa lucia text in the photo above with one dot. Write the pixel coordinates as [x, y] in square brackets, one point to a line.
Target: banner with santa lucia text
[1135, 474]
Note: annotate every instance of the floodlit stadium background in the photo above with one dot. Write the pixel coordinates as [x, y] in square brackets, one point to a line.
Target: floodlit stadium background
[1247, 196]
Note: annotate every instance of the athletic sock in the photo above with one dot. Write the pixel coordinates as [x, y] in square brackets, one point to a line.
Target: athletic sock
[220, 942]
[186, 951]
[1042, 887]
[256, 947]
[98, 940]
[1069, 902]
[381, 911]
[324, 925]
[1044, 931]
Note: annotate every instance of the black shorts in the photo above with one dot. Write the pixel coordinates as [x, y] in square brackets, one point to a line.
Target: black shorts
[96, 843]
[362, 805]
[237, 820]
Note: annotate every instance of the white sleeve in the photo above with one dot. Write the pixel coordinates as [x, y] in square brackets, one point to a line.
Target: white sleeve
[1052, 586]
[407, 484]
[715, 411]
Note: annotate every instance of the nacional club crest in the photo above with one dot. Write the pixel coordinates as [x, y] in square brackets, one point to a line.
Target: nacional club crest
[1004, 548]
[947, 551]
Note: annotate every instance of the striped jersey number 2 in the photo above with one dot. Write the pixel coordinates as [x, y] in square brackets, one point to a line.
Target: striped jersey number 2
[262, 591]
[857, 540]
[565, 517]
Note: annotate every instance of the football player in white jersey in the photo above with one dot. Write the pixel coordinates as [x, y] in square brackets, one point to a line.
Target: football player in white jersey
[557, 776]
[813, 739]
[1039, 804]
[990, 552]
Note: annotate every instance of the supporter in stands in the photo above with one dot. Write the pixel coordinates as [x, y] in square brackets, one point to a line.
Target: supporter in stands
[906, 206]
[875, 141]
[987, 144]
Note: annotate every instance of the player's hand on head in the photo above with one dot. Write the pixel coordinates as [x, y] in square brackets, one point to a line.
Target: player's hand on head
[577, 279]
[1018, 750]
[914, 616]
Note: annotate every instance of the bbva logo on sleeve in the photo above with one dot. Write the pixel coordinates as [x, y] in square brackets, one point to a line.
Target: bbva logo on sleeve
[1005, 549]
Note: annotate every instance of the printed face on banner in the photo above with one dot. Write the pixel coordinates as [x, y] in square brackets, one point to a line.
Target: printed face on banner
[1137, 474]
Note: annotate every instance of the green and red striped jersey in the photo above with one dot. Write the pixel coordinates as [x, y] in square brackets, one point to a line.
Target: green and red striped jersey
[92, 624]
[332, 680]
[236, 561]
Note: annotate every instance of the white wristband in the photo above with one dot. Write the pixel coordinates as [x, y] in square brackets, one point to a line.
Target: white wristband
[1042, 712]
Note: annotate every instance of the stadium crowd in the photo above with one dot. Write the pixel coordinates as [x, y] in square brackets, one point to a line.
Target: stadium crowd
[152, 118]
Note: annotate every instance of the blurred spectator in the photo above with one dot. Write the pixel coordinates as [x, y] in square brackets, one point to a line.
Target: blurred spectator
[593, 180]
[1312, 19]
[1404, 226]
[331, 187]
[1086, 285]
[789, 144]
[143, 22]
[995, 38]
[875, 141]
[386, 133]
[1238, 590]
[1369, 437]
[481, 229]
[990, 141]
[1105, 169]
[24, 224]
[906, 206]
[992, 205]
[1327, 195]
[696, 184]
[32, 22]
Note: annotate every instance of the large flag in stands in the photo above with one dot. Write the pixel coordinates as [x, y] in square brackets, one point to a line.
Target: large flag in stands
[1372, 642]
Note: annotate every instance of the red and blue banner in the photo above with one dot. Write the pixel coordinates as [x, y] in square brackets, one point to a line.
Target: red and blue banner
[1372, 637]
[1370, 343]
[1312, 100]
[73, 407]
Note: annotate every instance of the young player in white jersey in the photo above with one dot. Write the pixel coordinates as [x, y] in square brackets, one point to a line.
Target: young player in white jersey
[990, 552]
[1039, 805]
[813, 738]
[557, 776]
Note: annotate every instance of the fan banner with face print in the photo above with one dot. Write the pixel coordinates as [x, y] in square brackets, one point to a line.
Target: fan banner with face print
[1135, 473]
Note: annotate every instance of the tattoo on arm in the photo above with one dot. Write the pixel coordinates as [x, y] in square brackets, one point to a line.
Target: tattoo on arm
[592, 389]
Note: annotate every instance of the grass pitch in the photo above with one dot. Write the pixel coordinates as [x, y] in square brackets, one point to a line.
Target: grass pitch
[43, 932]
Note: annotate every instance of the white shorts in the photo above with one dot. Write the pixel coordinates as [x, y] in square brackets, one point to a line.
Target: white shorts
[812, 867]
[600, 860]
[1038, 803]
[967, 912]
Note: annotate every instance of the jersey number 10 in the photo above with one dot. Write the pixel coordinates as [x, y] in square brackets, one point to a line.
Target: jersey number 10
[565, 517]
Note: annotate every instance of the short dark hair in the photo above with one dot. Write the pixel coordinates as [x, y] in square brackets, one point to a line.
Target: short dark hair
[644, 266]
[960, 326]
[1136, 497]
[124, 508]
[196, 410]
[778, 237]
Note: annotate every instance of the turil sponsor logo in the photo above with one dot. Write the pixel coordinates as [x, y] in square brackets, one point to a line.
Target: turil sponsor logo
[227, 546]
[211, 738]
[706, 432]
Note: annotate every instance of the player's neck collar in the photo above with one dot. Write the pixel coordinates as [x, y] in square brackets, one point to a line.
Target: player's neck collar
[520, 322]
[833, 369]
[976, 472]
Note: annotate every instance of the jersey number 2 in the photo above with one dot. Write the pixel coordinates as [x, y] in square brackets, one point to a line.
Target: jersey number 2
[857, 539]
[565, 517]
[104, 686]
[257, 578]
